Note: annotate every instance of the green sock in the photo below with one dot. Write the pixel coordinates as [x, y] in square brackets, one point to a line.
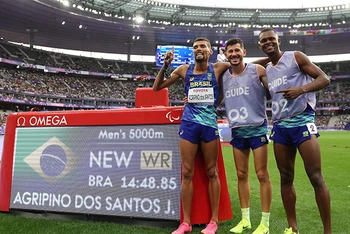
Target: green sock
[246, 213]
[265, 219]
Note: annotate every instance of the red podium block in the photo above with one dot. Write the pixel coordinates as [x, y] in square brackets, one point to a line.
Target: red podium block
[146, 97]
[201, 211]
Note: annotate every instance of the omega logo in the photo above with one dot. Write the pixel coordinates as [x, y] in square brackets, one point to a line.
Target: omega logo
[48, 120]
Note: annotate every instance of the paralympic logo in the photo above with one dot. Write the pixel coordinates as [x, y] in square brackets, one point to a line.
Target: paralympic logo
[170, 117]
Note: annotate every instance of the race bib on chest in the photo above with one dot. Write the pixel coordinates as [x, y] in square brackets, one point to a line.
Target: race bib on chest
[201, 95]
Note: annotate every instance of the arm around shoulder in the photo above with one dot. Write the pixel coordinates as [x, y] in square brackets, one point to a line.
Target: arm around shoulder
[262, 76]
[220, 68]
[262, 61]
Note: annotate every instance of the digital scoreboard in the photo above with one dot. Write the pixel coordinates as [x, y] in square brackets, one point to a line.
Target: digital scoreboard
[116, 163]
[182, 55]
[109, 170]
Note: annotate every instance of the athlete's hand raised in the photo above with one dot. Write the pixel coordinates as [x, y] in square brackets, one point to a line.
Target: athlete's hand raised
[169, 56]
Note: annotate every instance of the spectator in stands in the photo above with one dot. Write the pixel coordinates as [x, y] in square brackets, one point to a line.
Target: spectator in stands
[221, 55]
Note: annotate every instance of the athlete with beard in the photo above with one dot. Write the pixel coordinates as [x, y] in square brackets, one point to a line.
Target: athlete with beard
[244, 89]
[199, 127]
[292, 80]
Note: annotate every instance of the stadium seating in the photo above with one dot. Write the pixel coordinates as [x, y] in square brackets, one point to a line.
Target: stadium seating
[21, 89]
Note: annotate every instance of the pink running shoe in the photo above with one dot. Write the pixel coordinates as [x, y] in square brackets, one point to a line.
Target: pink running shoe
[211, 228]
[183, 228]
